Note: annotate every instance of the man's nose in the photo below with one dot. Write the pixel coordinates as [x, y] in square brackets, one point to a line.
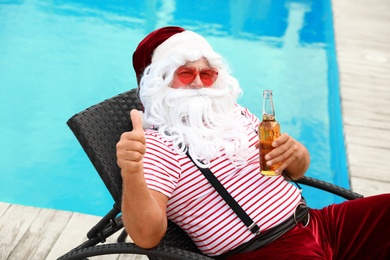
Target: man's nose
[196, 83]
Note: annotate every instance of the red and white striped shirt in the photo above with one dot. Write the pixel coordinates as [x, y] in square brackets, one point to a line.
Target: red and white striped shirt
[196, 207]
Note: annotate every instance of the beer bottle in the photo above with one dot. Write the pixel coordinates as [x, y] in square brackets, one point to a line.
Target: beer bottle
[269, 130]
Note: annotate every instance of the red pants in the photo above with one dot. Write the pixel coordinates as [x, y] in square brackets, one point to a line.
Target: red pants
[357, 229]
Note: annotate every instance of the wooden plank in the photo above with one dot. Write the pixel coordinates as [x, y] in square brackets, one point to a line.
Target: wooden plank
[47, 235]
[365, 82]
[363, 98]
[4, 207]
[38, 240]
[133, 257]
[13, 226]
[369, 107]
[74, 233]
[371, 173]
[378, 147]
[377, 56]
[369, 187]
[370, 137]
[368, 122]
[370, 154]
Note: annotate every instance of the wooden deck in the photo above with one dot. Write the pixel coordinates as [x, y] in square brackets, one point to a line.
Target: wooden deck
[362, 29]
[29, 233]
[362, 32]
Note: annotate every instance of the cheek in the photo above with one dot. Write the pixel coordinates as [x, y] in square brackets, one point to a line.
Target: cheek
[176, 83]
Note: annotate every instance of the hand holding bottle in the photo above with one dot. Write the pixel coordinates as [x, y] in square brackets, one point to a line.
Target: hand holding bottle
[269, 131]
[285, 150]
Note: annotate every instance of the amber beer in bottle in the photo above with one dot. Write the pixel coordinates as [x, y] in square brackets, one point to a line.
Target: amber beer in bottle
[269, 130]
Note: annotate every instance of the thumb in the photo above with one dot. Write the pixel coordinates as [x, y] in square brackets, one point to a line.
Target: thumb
[136, 120]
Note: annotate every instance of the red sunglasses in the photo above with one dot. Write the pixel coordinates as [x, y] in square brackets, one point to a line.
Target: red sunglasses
[188, 74]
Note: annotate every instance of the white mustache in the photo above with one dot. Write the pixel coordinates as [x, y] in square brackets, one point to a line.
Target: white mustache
[182, 94]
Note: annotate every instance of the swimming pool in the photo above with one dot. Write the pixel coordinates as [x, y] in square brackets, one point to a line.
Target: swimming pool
[59, 57]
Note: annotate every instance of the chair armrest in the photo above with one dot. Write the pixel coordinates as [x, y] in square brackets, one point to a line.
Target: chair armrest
[329, 187]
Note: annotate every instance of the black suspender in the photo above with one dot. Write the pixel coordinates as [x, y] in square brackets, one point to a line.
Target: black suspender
[251, 225]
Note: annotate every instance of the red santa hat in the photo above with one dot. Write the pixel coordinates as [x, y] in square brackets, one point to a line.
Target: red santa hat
[162, 43]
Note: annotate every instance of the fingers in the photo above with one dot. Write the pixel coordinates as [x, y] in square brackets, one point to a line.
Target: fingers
[131, 142]
[136, 120]
[285, 152]
[281, 140]
[280, 146]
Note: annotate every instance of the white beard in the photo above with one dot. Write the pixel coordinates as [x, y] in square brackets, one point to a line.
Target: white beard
[205, 121]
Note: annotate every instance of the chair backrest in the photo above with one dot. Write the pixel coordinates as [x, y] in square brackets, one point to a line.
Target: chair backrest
[98, 129]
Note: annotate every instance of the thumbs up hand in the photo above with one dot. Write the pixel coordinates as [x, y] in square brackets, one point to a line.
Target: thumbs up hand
[131, 147]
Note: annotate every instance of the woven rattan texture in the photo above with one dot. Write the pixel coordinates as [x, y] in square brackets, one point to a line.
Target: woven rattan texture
[98, 129]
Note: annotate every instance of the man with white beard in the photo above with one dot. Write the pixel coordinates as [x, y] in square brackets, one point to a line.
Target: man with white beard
[191, 121]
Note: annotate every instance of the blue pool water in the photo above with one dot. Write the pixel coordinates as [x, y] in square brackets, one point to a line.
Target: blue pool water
[60, 57]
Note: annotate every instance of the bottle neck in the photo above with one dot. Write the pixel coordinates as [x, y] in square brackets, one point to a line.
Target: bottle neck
[268, 106]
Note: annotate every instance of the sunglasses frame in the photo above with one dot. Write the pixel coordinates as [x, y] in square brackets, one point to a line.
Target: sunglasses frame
[193, 72]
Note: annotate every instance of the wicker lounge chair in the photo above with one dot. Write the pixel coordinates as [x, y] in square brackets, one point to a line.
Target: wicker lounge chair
[98, 129]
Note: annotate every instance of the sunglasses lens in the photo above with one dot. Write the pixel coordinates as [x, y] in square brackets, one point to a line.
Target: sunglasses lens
[186, 75]
[208, 76]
